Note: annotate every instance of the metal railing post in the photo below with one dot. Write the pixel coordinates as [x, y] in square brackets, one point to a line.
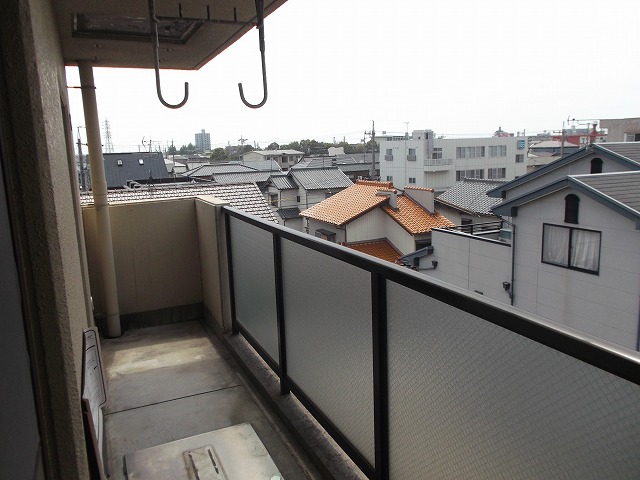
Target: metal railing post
[282, 343]
[380, 375]
[232, 293]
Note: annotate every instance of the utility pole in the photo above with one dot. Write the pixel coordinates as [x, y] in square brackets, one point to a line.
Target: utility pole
[372, 170]
[83, 175]
[241, 140]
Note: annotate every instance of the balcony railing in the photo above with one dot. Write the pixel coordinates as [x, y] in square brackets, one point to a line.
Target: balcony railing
[438, 164]
[416, 379]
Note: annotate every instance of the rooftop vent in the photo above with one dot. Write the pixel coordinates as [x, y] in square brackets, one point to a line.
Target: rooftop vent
[141, 161]
[119, 163]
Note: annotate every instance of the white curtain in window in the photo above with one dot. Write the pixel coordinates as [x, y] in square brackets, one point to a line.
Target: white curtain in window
[585, 249]
[556, 245]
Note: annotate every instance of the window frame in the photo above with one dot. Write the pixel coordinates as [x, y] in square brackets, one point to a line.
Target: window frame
[570, 245]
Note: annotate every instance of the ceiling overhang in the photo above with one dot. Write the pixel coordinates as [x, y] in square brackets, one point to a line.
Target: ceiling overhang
[118, 33]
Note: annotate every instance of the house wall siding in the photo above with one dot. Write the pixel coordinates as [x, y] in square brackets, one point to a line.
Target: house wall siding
[606, 305]
[370, 226]
[471, 263]
[316, 224]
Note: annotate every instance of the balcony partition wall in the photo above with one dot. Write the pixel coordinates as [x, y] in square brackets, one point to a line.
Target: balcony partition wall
[417, 379]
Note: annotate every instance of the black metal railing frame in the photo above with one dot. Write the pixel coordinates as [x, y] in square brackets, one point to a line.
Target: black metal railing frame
[604, 357]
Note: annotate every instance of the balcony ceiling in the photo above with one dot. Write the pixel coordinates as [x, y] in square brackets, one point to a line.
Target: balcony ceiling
[117, 33]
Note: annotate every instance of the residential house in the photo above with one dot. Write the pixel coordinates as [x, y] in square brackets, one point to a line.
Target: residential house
[597, 158]
[622, 129]
[467, 202]
[354, 166]
[547, 151]
[370, 210]
[300, 188]
[568, 249]
[139, 166]
[285, 158]
[388, 362]
[577, 253]
[424, 160]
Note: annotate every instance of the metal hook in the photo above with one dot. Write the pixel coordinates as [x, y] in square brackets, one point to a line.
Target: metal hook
[153, 21]
[260, 27]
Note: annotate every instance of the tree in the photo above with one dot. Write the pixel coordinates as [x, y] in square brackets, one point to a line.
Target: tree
[219, 154]
[273, 146]
[172, 149]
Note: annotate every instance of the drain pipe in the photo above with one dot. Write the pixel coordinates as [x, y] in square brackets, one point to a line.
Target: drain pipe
[100, 204]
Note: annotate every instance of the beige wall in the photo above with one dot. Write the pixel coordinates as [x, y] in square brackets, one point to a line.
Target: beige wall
[43, 204]
[156, 251]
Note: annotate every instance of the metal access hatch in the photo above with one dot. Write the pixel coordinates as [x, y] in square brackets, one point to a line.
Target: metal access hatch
[233, 453]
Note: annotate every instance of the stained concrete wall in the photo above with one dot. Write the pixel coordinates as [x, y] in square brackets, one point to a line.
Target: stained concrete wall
[45, 225]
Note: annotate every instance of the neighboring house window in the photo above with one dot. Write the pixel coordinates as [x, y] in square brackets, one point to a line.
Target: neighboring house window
[389, 154]
[632, 137]
[437, 154]
[497, 150]
[572, 248]
[326, 235]
[596, 165]
[462, 174]
[273, 199]
[389, 178]
[519, 157]
[571, 207]
[496, 173]
[469, 152]
[298, 198]
[412, 180]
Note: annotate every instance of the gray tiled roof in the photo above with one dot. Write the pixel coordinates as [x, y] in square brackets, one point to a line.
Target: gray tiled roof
[471, 195]
[289, 213]
[263, 165]
[621, 187]
[246, 196]
[283, 182]
[206, 171]
[630, 150]
[117, 175]
[241, 177]
[320, 178]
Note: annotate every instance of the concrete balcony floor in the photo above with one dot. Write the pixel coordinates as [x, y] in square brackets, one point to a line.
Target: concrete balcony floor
[174, 381]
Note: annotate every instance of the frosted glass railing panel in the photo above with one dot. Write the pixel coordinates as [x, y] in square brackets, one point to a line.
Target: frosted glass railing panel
[254, 284]
[469, 399]
[328, 329]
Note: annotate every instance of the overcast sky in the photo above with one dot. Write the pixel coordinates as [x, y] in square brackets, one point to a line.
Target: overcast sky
[458, 67]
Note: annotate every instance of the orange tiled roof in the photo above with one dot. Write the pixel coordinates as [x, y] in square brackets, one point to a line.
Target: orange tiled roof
[377, 248]
[350, 203]
[415, 219]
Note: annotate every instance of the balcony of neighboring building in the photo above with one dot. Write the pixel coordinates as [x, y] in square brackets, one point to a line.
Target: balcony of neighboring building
[438, 164]
[410, 377]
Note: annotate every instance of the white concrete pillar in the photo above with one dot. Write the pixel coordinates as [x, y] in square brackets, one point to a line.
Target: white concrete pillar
[99, 190]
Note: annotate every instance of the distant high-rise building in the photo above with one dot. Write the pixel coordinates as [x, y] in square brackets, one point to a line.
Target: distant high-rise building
[203, 141]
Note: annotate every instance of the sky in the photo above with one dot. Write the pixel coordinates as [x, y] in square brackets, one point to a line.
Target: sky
[458, 67]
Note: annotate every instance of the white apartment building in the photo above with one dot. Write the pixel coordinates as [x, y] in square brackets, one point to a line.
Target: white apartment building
[422, 160]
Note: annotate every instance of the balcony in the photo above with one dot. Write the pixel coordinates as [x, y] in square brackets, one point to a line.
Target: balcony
[438, 164]
[411, 377]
